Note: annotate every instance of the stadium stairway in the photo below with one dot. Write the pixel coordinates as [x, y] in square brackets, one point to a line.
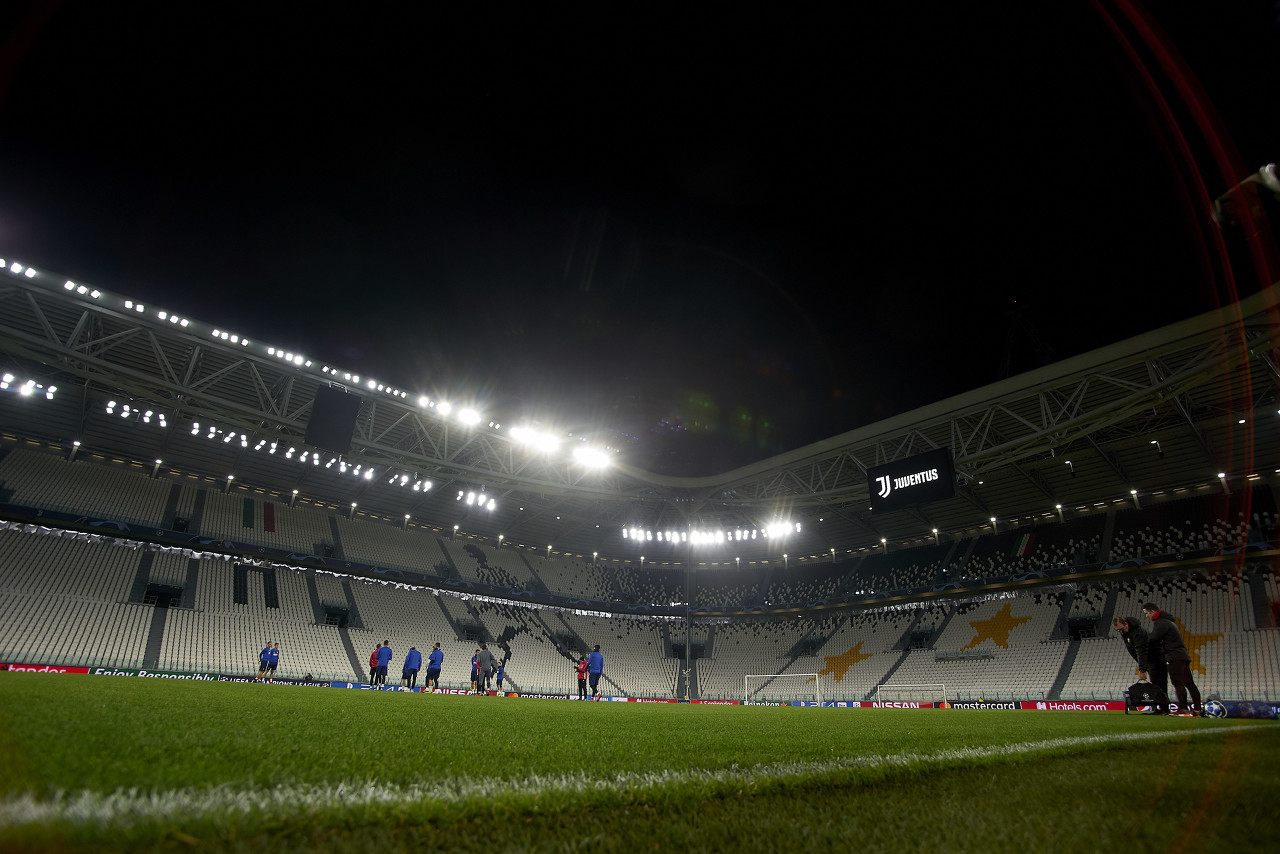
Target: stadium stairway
[196, 522]
[538, 584]
[666, 640]
[1062, 626]
[453, 567]
[338, 550]
[189, 588]
[888, 674]
[688, 686]
[357, 666]
[1108, 536]
[155, 636]
[313, 593]
[141, 578]
[1264, 615]
[1108, 609]
[1068, 661]
[170, 512]
[354, 619]
[448, 618]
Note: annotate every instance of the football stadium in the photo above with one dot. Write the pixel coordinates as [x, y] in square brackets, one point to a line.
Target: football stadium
[202, 511]
[295, 556]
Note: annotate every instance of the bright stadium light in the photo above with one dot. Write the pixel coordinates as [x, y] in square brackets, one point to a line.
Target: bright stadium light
[469, 416]
[444, 408]
[591, 457]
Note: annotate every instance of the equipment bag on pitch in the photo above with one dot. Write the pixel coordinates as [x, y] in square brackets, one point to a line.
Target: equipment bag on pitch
[1141, 694]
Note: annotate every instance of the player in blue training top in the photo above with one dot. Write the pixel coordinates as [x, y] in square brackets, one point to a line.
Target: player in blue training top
[384, 658]
[273, 659]
[263, 658]
[500, 673]
[595, 668]
[412, 663]
[434, 660]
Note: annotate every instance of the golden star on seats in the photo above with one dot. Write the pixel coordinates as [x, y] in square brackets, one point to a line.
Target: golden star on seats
[838, 665]
[995, 629]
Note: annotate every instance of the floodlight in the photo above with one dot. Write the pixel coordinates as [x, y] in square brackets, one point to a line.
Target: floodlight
[15, 267]
[70, 285]
[29, 272]
[491, 504]
[163, 315]
[469, 416]
[591, 457]
[423, 400]
[25, 390]
[444, 408]
[368, 474]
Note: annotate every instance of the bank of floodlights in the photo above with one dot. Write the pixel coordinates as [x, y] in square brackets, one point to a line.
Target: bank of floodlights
[590, 457]
[713, 536]
[26, 388]
[539, 440]
[92, 293]
[230, 338]
[18, 269]
[478, 500]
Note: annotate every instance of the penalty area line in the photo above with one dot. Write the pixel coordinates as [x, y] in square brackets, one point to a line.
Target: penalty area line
[126, 807]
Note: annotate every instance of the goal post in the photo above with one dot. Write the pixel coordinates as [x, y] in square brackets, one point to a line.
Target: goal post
[795, 684]
[893, 692]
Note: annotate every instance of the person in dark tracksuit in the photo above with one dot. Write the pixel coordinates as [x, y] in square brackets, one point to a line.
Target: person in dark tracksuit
[1169, 657]
[1135, 642]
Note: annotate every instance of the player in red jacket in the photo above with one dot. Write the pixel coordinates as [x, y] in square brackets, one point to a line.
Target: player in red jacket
[581, 667]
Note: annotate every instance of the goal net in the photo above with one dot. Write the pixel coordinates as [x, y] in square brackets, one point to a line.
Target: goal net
[891, 692]
[781, 688]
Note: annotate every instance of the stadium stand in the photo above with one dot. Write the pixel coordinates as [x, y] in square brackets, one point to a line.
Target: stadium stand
[103, 599]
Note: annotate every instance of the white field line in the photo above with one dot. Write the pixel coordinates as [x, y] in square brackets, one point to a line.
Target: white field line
[129, 807]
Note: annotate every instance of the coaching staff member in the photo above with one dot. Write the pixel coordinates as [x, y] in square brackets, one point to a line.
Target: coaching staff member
[1169, 656]
[1136, 642]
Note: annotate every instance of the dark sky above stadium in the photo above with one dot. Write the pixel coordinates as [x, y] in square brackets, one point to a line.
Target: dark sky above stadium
[725, 235]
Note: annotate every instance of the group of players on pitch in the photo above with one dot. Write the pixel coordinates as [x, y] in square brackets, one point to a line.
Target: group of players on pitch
[484, 668]
[1161, 652]
[381, 658]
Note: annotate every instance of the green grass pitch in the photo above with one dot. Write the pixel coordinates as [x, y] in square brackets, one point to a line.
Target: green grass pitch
[125, 764]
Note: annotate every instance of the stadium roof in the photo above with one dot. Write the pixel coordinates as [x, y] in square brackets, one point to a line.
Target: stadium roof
[1135, 421]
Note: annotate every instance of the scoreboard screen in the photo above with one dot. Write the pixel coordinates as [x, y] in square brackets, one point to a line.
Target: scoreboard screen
[913, 481]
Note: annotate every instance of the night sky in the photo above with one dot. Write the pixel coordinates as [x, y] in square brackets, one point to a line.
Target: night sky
[723, 236]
